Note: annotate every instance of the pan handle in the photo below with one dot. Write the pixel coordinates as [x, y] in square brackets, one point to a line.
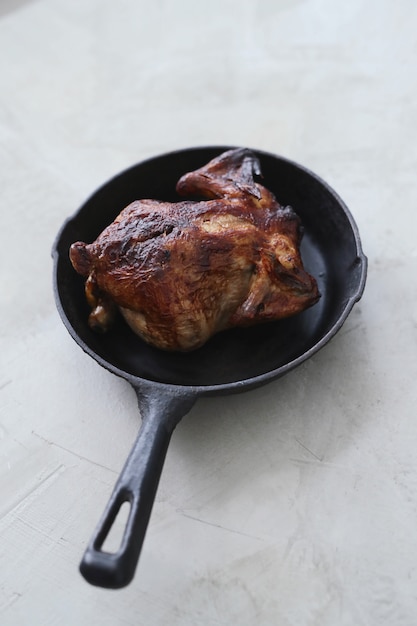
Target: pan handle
[137, 485]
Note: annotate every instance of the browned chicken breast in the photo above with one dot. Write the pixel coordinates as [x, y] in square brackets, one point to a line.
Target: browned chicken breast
[181, 272]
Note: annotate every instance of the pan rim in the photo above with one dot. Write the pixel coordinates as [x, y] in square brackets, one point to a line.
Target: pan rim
[140, 383]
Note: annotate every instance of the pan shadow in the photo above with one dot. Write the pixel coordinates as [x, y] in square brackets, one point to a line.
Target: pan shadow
[310, 417]
[10, 6]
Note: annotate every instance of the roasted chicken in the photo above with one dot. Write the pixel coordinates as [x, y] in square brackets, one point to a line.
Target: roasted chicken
[181, 272]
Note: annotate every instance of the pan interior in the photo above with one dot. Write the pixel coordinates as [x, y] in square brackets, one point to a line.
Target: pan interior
[330, 250]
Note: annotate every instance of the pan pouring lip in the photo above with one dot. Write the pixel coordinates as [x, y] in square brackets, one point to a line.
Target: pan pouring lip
[167, 384]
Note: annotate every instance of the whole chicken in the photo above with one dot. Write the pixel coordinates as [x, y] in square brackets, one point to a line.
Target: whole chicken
[181, 272]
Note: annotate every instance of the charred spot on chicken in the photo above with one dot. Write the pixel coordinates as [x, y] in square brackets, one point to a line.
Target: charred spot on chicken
[180, 272]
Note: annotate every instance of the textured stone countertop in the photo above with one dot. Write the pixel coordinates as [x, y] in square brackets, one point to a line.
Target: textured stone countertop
[294, 504]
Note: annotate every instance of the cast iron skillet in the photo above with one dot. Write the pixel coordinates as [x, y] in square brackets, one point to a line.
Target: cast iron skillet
[168, 384]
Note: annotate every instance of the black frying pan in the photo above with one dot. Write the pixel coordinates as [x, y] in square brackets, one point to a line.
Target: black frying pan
[168, 384]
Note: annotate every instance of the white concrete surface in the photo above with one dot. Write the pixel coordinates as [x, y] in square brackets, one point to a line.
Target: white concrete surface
[295, 504]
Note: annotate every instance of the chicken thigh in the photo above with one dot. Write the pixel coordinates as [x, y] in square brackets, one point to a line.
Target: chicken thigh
[181, 272]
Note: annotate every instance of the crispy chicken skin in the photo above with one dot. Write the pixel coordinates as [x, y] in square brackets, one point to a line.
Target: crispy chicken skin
[181, 272]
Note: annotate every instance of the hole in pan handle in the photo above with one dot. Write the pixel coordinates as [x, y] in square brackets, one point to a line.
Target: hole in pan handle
[137, 484]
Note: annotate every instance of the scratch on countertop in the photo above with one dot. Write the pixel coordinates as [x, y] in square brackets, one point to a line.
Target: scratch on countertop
[35, 490]
[8, 601]
[308, 450]
[5, 383]
[219, 526]
[19, 443]
[36, 528]
[78, 456]
[320, 463]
